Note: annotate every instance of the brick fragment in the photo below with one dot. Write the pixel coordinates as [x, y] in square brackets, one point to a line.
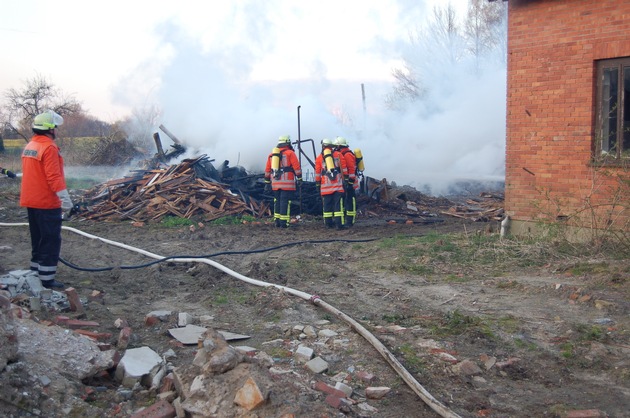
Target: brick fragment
[77, 323]
[160, 409]
[149, 321]
[97, 296]
[123, 338]
[73, 300]
[323, 387]
[365, 376]
[97, 336]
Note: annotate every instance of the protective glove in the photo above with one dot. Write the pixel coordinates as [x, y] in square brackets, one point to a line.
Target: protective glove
[299, 181]
[267, 187]
[9, 174]
[66, 202]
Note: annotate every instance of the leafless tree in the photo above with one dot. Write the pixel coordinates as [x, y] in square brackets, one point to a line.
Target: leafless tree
[438, 48]
[436, 45]
[140, 127]
[36, 96]
[482, 28]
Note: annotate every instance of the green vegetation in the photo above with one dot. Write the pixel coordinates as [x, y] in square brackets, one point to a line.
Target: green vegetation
[456, 323]
[175, 222]
[233, 220]
[590, 332]
[413, 362]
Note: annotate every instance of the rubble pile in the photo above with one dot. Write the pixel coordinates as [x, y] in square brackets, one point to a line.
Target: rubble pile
[178, 190]
[488, 207]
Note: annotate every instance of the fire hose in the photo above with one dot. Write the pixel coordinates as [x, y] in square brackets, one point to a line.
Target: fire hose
[433, 403]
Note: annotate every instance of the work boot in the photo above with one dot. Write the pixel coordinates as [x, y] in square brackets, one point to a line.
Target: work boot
[52, 284]
[278, 223]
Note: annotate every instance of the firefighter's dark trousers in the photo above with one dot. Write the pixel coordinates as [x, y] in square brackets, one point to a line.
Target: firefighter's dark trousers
[282, 207]
[45, 229]
[333, 210]
[349, 205]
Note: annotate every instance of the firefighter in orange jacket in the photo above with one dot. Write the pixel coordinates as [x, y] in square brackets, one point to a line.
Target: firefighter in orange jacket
[282, 172]
[352, 184]
[45, 196]
[330, 172]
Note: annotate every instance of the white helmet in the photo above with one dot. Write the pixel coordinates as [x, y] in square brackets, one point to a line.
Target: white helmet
[47, 120]
[284, 139]
[341, 141]
[327, 142]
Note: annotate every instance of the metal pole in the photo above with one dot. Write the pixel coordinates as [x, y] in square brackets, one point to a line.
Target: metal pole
[300, 155]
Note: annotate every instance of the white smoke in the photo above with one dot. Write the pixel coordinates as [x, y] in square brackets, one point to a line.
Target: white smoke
[210, 101]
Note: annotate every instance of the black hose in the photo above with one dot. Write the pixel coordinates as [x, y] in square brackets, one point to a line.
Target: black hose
[173, 257]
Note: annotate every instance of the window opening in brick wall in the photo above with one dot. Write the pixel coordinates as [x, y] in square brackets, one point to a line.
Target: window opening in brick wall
[613, 110]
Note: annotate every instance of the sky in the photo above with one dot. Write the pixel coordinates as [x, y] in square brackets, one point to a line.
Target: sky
[228, 78]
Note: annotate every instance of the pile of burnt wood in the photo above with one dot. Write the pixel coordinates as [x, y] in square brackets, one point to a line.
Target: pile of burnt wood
[192, 188]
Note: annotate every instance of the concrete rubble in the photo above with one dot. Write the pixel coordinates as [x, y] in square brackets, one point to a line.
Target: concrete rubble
[25, 288]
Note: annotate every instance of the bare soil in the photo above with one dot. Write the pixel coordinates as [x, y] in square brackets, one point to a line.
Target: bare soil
[549, 329]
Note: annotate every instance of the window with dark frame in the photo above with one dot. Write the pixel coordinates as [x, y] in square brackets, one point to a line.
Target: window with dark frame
[613, 110]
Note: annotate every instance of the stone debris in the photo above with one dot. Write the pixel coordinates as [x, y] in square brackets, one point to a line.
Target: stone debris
[190, 334]
[25, 289]
[136, 364]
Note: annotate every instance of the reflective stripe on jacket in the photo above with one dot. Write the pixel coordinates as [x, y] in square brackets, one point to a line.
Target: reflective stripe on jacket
[328, 185]
[289, 167]
[42, 174]
[351, 164]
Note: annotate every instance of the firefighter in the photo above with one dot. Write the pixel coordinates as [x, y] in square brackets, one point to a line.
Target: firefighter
[351, 184]
[45, 196]
[330, 171]
[282, 172]
[10, 174]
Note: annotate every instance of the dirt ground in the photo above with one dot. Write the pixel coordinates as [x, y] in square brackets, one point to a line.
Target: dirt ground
[547, 330]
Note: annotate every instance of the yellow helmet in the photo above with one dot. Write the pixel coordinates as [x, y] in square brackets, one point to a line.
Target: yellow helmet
[341, 141]
[47, 120]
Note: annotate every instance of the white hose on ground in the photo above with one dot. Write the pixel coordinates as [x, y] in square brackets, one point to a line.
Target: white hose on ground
[389, 357]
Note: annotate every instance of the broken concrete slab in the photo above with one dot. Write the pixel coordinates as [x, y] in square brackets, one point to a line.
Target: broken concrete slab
[65, 352]
[190, 334]
[137, 363]
[230, 336]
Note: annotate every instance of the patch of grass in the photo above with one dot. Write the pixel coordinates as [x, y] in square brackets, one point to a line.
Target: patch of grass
[412, 361]
[221, 299]
[566, 350]
[508, 324]
[233, 220]
[279, 352]
[521, 343]
[393, 318]
[456, 323]
[584, 269]
[590, 332]
[406, 265]
[175, 222]
[456, 278]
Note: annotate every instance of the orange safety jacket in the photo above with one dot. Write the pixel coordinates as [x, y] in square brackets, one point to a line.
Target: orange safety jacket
[290, 169]
[42, 174]
[351, 164]
[328, 185]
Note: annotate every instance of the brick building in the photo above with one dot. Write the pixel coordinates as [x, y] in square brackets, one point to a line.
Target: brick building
[568, 120]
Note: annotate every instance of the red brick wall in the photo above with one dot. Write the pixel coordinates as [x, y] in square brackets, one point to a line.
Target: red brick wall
[552, 48]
